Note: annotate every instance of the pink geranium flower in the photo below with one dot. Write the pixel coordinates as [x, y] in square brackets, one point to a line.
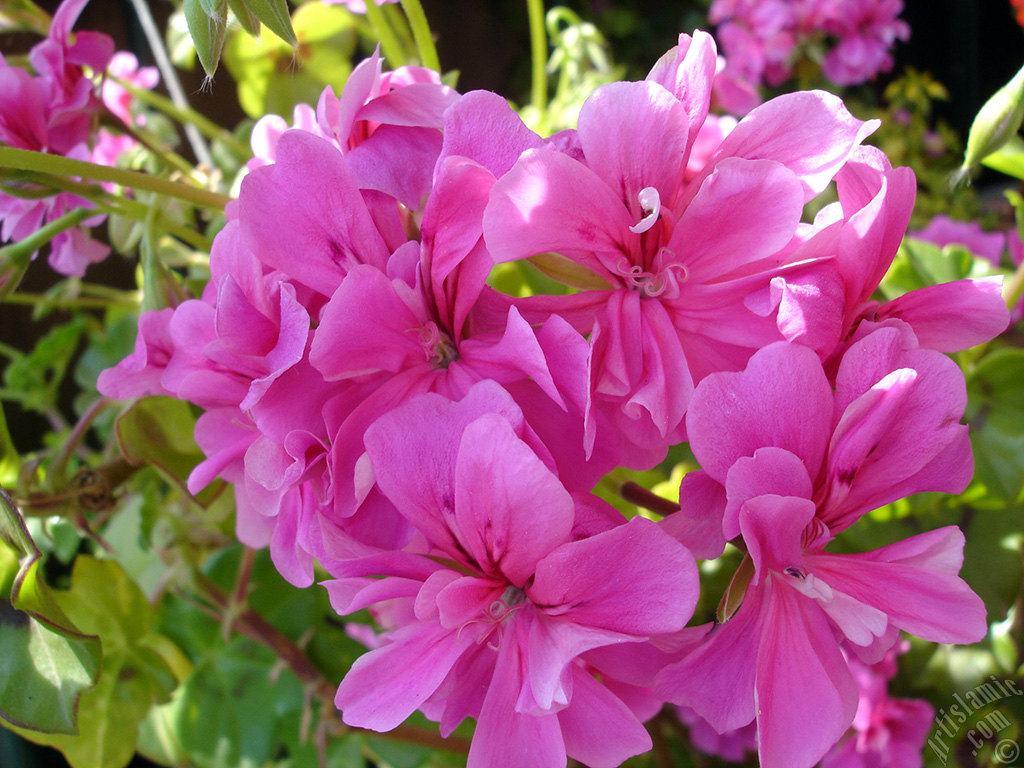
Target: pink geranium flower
[777, 659]
[886, 732]
[514, 582]
[891, 428]
[680, 255]
[787, 464]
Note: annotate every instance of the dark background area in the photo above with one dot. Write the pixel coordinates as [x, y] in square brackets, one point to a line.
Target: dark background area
[971, 46]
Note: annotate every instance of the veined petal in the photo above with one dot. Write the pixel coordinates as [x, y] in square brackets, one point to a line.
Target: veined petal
[386, 685]
[507, 737]
[633, 579]
[914, 583]
[802, 678]
[782, 399]
[634, 135]
[510, 510]
[318, 241]
[550, 202]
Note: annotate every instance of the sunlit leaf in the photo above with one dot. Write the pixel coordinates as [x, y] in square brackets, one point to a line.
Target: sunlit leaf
[46, 661]
[104, 600]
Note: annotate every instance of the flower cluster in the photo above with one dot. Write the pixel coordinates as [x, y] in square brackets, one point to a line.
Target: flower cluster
[763, 41]
[56, 111]
[432, 442]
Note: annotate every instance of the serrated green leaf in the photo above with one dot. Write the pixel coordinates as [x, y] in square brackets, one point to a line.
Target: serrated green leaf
[46, 661]
[34, 379]
[207, 24]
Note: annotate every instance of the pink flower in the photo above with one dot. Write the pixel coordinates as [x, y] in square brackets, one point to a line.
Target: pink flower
[515, 582]
[681, 256]
[891, 428]
[777, 659]
[886, 732]
[124, 66]
[943, 231]
[788, 464]
[53, 112]
[867, 32]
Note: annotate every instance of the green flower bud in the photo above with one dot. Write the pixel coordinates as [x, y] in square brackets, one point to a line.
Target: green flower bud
[997, 122]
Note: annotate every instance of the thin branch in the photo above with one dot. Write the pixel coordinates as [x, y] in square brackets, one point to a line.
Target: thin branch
[163, 63]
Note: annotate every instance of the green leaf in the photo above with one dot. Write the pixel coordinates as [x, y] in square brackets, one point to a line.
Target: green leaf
[103, 600]
[46, 661]
[207, 23]
[275, 17]
[10, 460]
[245, 17]
[34, 379]
[996, 416]
[919, 264]
[158, 431]
[226, 714]
[1009, 159]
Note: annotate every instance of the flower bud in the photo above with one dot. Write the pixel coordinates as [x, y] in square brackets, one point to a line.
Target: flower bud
[997, 122]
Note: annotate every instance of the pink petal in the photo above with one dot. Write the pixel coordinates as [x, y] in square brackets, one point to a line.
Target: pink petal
[810, 132]
[634, 136]
[483, 127]
[499, 481]
[698, 523]
[550, 202]
[953, 316]
[782, 399]
[633, 579]
[598, 728]
[386, 685]
[914, 582]
[770, 470]
[802, 679]
[717, 679]
[506, 737]
[744, 212]
[319, 240]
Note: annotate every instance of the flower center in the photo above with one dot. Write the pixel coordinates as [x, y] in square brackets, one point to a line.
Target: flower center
[438, 348]
[504, 606]
[663, 282]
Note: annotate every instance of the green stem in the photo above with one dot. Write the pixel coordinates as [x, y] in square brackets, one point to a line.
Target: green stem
[23, 249]
[538, 55]
[188, 116]
[26, 160]
[106, 203]
[389, 44]
[1013, 288]
[152, 143]
[37, 299]
[421, 34]
[170, 77]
